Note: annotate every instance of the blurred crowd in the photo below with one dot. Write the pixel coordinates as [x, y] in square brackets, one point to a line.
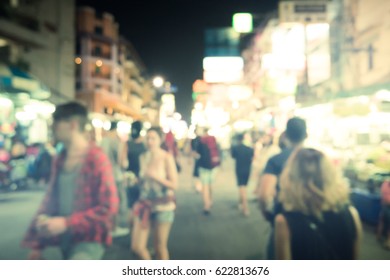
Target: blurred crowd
[98, 191]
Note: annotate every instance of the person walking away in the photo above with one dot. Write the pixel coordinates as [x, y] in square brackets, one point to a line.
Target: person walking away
[318, 222]
[155, 208]
[115, 149]
[135, 148]
[194, 152]
[43, 164]
[81, 200]
[170, 145]
[243, 156]
[209, 159]
[268, 187]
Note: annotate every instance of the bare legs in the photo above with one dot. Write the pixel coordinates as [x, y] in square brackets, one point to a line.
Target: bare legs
[243, 200]
[140, 236]
[198, 184]
[139, 240]
[161, 235]
[207, 198]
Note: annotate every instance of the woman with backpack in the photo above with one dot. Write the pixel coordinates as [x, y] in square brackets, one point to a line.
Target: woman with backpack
[318, 222]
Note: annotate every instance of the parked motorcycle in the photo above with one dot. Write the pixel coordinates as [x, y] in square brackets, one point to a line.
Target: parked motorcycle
[13, 175]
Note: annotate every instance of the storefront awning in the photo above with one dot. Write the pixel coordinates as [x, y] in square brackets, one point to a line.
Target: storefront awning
[14, 81]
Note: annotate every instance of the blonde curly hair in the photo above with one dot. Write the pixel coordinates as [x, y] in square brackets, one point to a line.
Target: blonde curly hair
[311, 184]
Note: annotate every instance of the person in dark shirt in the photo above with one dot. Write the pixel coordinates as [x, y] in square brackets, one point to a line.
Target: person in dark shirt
[318, 222]
[268, 188]
[194, 152]
[243, 156]
[135, 148]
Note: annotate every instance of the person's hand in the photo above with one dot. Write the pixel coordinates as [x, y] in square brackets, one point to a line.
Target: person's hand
[52, 226]
[35, 254]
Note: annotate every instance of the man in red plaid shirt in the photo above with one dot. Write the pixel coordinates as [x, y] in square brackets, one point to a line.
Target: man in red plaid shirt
[81, 200]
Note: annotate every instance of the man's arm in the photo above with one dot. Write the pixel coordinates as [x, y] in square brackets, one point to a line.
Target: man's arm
[266, 193]
[266, 188]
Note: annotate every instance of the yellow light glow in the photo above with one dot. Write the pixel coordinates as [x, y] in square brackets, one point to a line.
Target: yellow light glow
[99, 63]
[158, 81]
[78, 60]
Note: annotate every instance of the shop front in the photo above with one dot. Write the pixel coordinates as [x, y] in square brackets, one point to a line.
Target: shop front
[107, 107]
[24, 111]
[355, 133]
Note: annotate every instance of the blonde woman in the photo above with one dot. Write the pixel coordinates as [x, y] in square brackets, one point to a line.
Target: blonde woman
[317, 222]
[156, 205]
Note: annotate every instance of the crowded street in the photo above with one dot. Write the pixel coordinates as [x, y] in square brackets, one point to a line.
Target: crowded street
[224, 235]
[208, 130]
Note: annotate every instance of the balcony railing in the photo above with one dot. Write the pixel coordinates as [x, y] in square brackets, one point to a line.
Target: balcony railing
[101, 76]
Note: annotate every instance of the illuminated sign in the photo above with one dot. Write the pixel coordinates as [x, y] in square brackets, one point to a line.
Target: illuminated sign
[226, 76]
[303, 11]
[223, 63]
[243, 22]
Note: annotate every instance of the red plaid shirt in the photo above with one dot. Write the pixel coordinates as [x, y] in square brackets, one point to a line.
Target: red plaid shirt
[96, 202]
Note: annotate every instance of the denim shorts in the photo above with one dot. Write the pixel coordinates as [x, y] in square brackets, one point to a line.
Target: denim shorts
[163, 216]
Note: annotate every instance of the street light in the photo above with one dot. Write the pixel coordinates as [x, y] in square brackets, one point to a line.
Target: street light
[158, 81]
[243, 22]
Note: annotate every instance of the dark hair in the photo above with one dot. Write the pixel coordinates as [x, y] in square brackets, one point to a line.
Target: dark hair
[114, 125]
[136, 128]
[158, 130]
[296, 130]
[72, 110]
[240, 137]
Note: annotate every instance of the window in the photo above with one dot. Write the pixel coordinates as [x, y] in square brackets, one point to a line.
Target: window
[97, 51]
[99, 30]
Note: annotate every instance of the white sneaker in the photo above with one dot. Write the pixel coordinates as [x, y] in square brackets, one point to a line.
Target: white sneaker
[120, 231]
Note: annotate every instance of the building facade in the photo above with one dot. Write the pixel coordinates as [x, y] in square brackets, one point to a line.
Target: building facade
[37, 42]
[109, 71]
[38, 37]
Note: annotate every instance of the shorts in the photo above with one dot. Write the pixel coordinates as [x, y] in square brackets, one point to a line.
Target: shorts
[242, 179]
[207, 176]
[163, 216]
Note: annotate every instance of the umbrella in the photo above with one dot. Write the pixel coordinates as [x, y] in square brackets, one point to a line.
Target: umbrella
[17, 83]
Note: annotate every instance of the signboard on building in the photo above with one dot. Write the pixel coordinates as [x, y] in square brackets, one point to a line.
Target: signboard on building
[222, 42]
[304, 11]
[223, 69]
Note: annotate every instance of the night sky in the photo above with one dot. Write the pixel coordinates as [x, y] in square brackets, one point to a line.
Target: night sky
[168, 34]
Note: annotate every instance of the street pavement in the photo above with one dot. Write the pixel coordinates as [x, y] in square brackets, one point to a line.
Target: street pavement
[224, 235]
